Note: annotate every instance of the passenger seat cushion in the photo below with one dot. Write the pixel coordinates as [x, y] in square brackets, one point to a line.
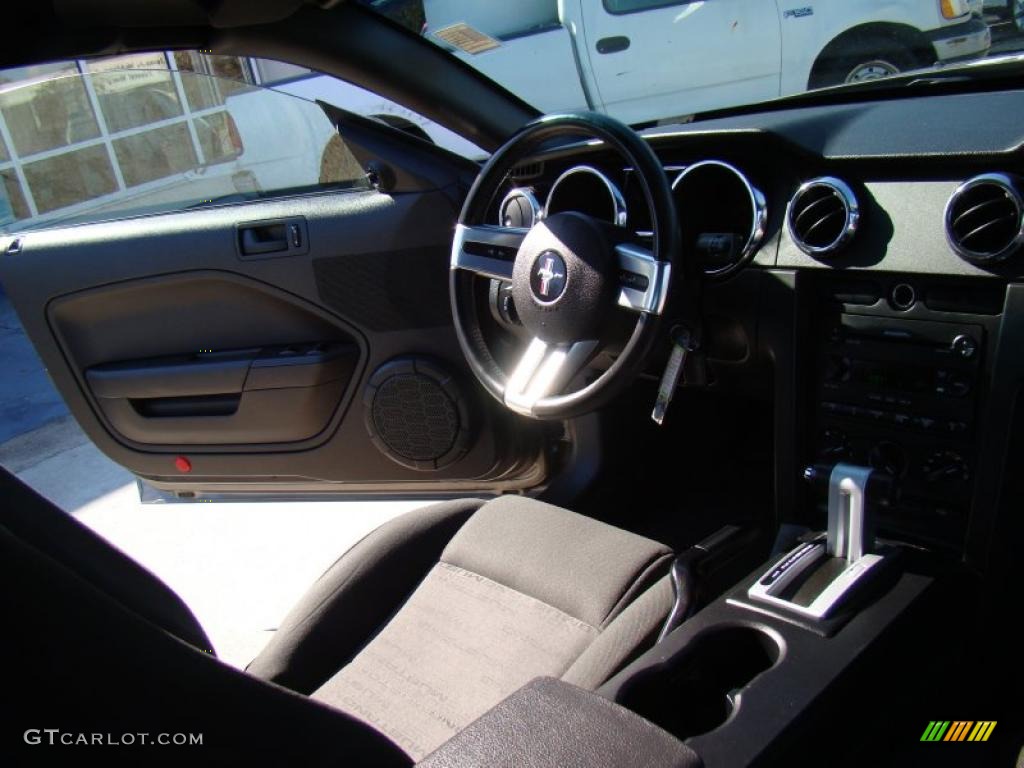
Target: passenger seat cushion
[357, 595]
[523, 590]
[459, 646]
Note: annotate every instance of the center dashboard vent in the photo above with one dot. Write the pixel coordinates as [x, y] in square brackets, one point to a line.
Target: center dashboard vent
[985, 218]
[823, 216]
[527, 171]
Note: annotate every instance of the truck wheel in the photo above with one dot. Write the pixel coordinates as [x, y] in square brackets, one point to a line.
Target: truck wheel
[868, 59]
[871, 70]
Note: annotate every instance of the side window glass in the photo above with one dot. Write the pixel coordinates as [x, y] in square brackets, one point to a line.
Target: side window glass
[309, 84]
[632, 6]
[149, 133]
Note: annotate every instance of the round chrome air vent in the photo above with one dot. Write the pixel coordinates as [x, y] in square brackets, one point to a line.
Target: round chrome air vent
[519, 208]
[985, 218]
[823, 216]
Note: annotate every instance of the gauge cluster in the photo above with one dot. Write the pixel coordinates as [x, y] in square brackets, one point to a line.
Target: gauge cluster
[723, 215]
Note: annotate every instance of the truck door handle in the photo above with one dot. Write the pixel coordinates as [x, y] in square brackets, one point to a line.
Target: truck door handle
[612, 44]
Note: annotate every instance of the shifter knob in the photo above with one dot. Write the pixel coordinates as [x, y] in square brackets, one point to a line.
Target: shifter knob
[882, 490]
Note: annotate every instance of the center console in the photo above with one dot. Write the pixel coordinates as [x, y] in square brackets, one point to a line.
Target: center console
[760, 669]
[897, 385]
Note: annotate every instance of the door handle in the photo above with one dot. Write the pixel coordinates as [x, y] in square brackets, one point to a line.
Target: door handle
[612, 44]
[269, 239]
[263, 240]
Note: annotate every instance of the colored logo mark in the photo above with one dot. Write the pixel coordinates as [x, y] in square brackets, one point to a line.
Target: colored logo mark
[958, 730]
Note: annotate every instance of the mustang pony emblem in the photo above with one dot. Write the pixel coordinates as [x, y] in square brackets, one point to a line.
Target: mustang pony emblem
[548, 278]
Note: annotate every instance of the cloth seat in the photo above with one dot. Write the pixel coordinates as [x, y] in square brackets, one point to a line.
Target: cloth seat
[423, 626]
[472, 600]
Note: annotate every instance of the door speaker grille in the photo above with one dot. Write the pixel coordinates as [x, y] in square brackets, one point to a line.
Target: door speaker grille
[416, 414]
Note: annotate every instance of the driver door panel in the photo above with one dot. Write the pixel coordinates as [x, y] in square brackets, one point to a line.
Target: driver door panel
[318, 370]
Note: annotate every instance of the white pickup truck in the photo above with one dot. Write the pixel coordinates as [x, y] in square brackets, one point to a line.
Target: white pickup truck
[647, 60]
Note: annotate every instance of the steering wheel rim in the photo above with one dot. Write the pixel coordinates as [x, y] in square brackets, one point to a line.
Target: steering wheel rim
[480, 250]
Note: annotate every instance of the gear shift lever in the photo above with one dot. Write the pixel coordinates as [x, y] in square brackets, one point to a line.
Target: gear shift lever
[815, 577]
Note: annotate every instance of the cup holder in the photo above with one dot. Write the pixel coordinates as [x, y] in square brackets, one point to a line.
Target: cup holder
[696, 691]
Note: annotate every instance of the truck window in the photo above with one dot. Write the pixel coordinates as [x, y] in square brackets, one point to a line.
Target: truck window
[632, 6]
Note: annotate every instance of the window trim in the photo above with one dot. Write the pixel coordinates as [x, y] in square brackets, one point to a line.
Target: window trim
[664, 4]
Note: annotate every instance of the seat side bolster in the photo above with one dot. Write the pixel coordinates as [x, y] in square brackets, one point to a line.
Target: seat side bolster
[625, 637]
[646, 575]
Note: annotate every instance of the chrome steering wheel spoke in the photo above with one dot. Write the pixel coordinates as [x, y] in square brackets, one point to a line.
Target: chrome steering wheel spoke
[643, 279]
[545, 370]
[485, 250]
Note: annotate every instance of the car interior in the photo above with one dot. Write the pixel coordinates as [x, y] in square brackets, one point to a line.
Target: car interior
[722, 421]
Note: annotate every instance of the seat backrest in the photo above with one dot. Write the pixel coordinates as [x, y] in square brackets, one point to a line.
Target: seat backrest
[77, 659]
[51, 531]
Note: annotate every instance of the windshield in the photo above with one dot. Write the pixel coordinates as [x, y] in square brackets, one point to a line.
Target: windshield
[651, 61]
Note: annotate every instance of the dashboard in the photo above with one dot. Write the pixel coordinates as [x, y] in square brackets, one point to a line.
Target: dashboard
[890, 235]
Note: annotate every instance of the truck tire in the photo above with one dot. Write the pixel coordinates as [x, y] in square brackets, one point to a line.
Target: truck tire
[857, 60]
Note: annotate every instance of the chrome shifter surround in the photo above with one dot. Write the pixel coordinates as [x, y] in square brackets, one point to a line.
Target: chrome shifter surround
[849, 539]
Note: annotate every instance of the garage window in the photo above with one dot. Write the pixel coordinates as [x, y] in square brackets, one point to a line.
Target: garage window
[156, 132]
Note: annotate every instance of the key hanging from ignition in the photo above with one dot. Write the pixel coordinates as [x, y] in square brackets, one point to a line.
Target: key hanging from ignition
[683, 343]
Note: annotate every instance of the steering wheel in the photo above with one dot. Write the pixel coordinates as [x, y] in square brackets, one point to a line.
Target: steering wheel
[568, 275]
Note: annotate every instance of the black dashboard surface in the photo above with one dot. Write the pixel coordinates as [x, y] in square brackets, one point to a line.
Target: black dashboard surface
[927, 126]
[903, 159]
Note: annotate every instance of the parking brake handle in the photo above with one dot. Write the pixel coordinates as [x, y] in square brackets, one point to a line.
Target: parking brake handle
[683, 574]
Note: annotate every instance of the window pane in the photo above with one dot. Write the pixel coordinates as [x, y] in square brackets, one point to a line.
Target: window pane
[218, 137]
[628, 6]
[232, 76]
[317, 86]
[155, 154]
[12, 201]
[275, 71]
[134, 90]
[48, 115]
[70, 178]
[258, 143]
[338, 164]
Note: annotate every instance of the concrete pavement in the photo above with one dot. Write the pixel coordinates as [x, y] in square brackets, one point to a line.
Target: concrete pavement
[27, 397]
